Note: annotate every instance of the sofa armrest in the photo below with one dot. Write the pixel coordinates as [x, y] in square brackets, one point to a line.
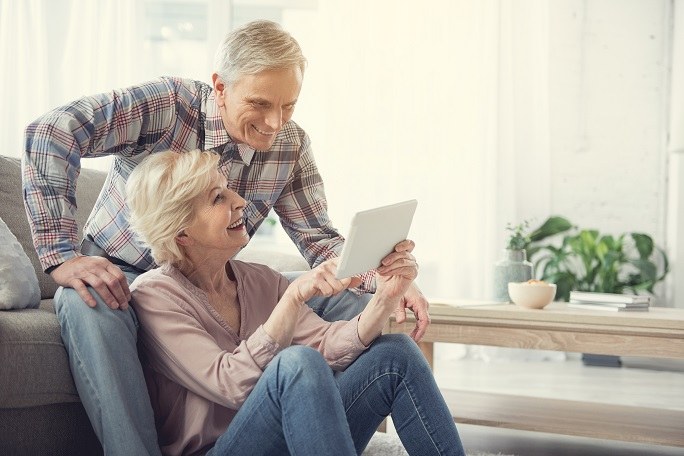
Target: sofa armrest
[272, 257]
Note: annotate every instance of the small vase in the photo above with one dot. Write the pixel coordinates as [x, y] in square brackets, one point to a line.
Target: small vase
[514, 267]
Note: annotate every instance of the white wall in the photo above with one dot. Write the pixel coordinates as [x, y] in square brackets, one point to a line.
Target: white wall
[609, 70]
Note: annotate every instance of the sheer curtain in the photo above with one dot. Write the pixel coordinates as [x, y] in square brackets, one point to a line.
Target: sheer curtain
[104, 47]
[25, 71]
[53, 51]
[408, 100]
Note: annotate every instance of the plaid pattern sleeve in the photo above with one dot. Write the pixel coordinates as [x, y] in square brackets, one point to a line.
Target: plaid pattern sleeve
[123, 122]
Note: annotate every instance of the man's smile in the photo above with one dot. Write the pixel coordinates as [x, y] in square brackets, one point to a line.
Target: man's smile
[265, 133]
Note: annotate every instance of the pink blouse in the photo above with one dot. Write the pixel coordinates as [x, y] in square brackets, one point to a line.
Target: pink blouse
[199, 370]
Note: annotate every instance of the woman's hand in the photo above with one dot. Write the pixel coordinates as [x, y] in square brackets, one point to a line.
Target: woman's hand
[320, 281]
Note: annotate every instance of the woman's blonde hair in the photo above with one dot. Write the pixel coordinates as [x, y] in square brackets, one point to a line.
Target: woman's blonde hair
[255, 47]
[160, 193]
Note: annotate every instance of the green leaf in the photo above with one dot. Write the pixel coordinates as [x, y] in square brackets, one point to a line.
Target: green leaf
[643, 243]
[552, 226]
[647, 269]
[565, 283]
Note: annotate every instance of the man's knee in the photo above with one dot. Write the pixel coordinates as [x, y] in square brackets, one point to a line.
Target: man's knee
[74, 314]
[343, 306]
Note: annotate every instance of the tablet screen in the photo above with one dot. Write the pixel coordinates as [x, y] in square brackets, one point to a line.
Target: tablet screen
[372, 235]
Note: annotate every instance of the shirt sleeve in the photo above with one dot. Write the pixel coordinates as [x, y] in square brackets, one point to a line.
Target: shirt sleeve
[177, 346]
[125, 122]
[303, 211]
[338, 342]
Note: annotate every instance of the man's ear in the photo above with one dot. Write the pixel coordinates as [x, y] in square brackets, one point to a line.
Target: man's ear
[219, 88]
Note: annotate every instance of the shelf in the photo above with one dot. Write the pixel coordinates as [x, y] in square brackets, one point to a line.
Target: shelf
[576, 418]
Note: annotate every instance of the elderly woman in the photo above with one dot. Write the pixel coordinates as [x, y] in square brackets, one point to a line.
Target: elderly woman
[236, 363]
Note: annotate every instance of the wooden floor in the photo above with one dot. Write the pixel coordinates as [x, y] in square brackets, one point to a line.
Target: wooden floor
[640, 383]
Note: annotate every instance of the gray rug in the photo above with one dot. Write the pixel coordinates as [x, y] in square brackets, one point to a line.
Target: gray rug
[389, 445]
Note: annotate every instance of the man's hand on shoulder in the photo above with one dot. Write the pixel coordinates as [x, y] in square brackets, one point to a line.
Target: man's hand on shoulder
[97, 272]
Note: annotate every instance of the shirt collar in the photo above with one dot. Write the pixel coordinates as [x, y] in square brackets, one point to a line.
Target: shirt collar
[216, 137]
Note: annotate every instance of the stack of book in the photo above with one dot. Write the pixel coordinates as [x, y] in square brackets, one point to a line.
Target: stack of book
[609, 301]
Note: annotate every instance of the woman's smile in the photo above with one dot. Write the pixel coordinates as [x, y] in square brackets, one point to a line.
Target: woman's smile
[238, 225]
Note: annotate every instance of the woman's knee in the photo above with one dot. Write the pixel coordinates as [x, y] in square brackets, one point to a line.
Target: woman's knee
[303, 364]
[300, 356]
[398, 348]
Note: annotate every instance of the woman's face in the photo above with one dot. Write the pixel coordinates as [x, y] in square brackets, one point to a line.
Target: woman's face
[218, 226]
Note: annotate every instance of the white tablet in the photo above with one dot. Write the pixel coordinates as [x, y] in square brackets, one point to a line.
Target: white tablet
[372, 235]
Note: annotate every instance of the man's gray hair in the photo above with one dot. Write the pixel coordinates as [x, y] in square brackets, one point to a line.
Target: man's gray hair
[255, 47]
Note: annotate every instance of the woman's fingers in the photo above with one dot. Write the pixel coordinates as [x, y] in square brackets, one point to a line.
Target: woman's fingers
[321, 281]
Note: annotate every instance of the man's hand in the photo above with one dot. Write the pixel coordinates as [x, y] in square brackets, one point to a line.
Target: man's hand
[97, 272]
[415, 300]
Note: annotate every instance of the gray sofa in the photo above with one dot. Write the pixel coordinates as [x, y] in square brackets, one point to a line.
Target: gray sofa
[40, 411]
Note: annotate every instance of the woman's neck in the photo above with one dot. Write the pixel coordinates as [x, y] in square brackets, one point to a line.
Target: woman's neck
[209, 275]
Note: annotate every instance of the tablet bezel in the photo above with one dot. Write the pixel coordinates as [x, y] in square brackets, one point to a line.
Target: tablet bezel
[373, 233]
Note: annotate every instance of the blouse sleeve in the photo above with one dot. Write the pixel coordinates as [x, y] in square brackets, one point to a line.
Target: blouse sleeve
[338, 342]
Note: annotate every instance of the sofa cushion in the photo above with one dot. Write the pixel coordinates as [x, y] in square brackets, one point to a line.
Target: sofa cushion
[13, 213]
[279, 261]
[30, 342]
[18, 282]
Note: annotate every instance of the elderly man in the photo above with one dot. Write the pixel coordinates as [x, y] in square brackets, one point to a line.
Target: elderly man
[245, 117]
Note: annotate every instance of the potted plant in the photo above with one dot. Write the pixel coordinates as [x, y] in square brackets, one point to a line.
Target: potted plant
[586, 260]
[513, 267]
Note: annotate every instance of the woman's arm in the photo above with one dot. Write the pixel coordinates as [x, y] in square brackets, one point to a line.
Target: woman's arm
[342, 341]
[320, 281]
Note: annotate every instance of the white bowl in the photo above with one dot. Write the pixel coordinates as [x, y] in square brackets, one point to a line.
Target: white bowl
[533, 294]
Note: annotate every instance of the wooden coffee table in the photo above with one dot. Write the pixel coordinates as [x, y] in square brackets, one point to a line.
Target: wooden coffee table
[657, 333]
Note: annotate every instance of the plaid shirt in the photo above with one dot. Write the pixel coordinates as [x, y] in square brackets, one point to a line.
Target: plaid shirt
[164, 114]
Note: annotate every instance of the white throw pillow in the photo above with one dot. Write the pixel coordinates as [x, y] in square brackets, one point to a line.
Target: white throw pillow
[18, 282]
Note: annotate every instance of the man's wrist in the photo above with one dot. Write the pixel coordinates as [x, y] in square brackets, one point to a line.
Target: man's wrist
[52, 268]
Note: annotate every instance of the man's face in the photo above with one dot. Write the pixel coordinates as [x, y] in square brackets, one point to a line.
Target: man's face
[255, 107]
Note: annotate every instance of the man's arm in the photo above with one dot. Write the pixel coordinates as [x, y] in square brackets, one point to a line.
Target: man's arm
[303, 211]
[121, 122]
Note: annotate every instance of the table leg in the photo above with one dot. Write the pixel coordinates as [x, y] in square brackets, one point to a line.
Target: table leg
[428, 349]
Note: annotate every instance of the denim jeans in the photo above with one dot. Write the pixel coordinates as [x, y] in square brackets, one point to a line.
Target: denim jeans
[299, 406]
[103, 356]
[343, 306]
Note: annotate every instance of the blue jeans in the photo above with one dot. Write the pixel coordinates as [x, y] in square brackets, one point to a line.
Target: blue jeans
[101, 344]
[299, 406]
[342, 306]
[103, 356]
